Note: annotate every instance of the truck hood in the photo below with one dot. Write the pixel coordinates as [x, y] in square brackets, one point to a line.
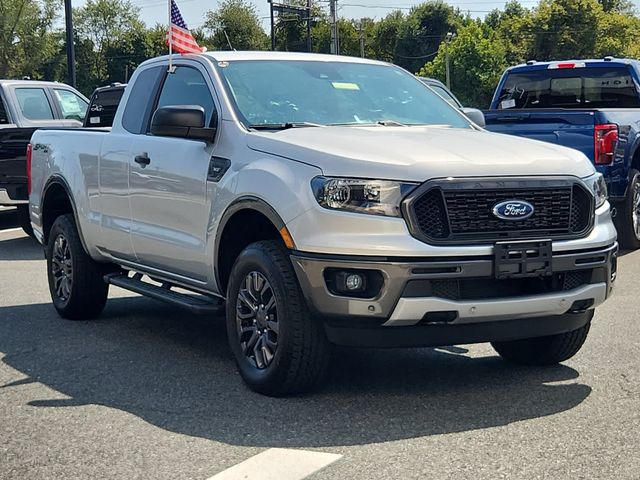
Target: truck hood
[419, 153]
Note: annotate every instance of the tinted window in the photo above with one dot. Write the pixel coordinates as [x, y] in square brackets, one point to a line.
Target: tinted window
[570, 88]
[103, 107]
[186, 86]
[34, 104]
[4, 118]
[444, 93]
[72, 106]
[138, 109]
[328, 92]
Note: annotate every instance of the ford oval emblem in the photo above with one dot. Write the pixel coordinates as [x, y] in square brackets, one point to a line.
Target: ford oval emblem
[513, 210]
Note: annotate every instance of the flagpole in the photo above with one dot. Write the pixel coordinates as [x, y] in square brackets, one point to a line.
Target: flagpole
[170, 38]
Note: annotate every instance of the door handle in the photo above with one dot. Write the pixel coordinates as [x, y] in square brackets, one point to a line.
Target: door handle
[142, 160]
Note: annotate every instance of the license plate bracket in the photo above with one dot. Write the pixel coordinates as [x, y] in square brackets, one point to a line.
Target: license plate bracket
[522, 259]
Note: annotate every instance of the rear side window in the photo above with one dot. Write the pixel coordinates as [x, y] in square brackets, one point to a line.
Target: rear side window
[34, 104]
[4, 117]
[103, 107]
[570, 88]
[72, 106]
[187, 87]
[143, 94]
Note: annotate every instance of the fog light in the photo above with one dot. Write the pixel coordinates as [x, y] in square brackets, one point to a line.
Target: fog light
[354, 282]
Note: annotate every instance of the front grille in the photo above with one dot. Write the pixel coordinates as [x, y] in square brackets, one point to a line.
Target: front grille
[488, 288]
[441, 215]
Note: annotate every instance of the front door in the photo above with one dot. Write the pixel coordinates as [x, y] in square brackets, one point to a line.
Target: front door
[168, 186]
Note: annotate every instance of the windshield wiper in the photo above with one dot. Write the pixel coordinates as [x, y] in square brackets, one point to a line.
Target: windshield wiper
[283, 126]
[390, 123]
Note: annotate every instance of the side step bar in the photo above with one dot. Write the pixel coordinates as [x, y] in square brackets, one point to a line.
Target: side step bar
[196, 303]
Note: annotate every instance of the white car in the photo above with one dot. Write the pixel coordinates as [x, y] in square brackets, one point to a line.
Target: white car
[323, 200]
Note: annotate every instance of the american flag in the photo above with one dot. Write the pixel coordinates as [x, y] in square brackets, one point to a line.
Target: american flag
[181, 39]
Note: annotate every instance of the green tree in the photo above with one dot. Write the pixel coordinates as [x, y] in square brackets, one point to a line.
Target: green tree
[476, 63]
[386, 34]
[26, 39]
[239, 19]
[105, 24]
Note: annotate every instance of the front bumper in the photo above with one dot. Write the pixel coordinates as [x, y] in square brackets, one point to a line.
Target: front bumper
[408, 301]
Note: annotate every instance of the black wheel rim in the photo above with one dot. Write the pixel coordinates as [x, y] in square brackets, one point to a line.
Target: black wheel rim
[257, 320]
[636, 210]
[62, 268]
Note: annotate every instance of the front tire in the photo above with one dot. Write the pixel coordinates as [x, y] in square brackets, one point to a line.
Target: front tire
[279, 348]
[628, 219]
[544, 350]
[76, 283]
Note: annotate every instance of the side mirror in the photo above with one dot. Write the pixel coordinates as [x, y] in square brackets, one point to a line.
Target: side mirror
[182, 121]
[475, 115]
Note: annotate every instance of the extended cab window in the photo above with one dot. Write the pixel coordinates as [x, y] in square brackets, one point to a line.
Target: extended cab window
[186, 86]
[140, 101]
[570, 88]
[4, 118]
[34, 104]
[71, 105]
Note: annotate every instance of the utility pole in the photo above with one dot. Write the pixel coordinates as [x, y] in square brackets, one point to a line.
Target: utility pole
[71, 54]
[273, 27]
[447, 40]
[309, 46]
[361, 32]
[333, 18]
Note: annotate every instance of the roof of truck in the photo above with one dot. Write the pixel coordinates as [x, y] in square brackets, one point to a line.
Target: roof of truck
[228, 56]
[589, 62]
[30, 82]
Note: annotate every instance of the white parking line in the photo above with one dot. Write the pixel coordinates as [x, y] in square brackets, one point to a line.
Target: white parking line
[278, 464]
[10, 230]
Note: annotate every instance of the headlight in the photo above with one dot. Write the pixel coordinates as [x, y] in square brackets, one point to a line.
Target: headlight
[375, 197]
[598, 187]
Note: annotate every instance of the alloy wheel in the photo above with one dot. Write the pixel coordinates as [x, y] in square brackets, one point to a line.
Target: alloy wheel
[257, 320]
[62, 268]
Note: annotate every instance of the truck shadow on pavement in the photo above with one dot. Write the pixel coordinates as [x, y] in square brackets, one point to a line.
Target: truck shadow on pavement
[20, 248]
[176, 372]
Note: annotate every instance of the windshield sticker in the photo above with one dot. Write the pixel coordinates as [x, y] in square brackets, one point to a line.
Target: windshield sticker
[345, 86]
[505, 104]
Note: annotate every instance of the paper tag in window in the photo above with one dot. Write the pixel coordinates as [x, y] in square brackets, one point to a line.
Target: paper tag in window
[94, 119]
[345, 86]
[505, 104]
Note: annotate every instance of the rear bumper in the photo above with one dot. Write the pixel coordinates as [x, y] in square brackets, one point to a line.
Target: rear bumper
[409, 310]
[13, 194]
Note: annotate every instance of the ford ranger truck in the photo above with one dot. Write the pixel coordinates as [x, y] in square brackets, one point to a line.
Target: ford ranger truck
[368, 213]
[590, 105]
[26, 105]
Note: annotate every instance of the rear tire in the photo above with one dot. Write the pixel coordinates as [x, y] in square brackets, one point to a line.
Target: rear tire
[627, 220]
[76, 283]
[544, 350]
[279, 348]
[24, 221]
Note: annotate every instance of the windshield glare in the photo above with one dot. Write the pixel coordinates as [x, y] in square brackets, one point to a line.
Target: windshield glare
[333, 93]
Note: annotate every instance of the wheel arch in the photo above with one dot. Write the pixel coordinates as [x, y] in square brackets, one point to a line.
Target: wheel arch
[233, 236]
[57, 200]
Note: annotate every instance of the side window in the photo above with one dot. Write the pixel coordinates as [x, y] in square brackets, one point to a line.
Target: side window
[71, 105]
[4, 117]
[137, 111]
[186, 86]
[34, 104]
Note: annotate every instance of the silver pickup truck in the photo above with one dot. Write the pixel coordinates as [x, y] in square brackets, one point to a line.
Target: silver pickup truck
[322, 200]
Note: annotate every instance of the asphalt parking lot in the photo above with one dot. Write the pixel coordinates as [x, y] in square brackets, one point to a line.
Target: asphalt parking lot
[150, 392]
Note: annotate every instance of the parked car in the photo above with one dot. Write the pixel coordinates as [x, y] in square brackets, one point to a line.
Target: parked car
[103, 105]
[26, 105]
[437, 86]
[371, 213]
[590, 105]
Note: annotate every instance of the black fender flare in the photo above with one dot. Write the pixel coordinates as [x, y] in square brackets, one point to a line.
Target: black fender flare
[60, 181]
[247, 202]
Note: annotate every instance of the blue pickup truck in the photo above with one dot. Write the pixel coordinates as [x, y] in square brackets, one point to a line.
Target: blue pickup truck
[590, 105]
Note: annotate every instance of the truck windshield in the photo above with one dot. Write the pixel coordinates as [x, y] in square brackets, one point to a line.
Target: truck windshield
[570, 88]
[332, 93]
